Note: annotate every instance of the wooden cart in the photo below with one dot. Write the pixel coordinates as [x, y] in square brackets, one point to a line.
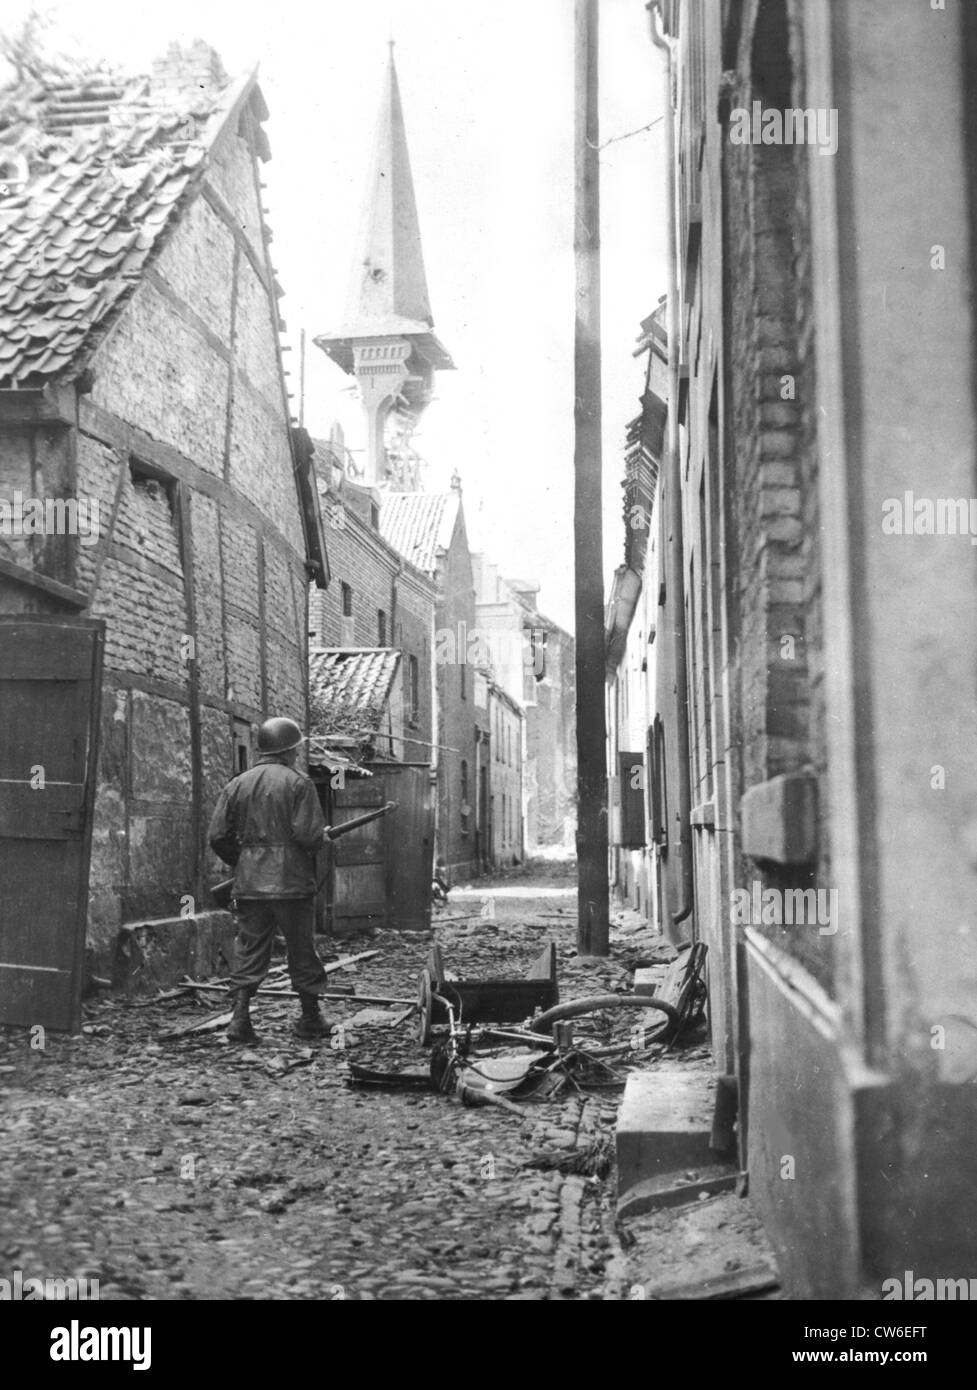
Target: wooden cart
[483, 1001]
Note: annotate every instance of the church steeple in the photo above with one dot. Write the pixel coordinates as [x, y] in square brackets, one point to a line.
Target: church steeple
[386, 339]
[388, 279]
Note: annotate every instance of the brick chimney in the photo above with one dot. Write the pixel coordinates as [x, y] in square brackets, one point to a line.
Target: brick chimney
[184, 73]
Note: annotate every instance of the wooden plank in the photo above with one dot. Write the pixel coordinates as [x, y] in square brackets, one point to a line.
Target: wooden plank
[544, 967]
[501, 1001]
[184, 522]
[410, 842]
[262, 629]
[45, 652]
[231, 378]
[54, 812]
[33, 579]
[31, 995]
[46, 405]
[435, 964]
[50, 721]
[739, 1283]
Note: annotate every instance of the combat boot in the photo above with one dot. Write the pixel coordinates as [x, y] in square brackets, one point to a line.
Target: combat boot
[239, 1029]
[312, 1024]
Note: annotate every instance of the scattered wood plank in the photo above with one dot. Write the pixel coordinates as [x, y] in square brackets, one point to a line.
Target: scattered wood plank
[348, 960]
[740, 1283]
[207, 1026]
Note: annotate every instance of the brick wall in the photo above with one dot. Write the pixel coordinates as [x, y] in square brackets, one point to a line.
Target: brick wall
[773, 484]
[185, 441]
[379, 579]
[156, 369]
[232, 177]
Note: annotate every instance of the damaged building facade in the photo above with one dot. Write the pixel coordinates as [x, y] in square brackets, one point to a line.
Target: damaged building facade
[807, 817]
[141, 371]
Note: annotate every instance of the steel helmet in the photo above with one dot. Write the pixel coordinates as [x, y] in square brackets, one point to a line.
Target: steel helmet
[279, 735]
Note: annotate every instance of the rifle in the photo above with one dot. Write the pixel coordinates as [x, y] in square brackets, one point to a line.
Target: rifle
[222, 892]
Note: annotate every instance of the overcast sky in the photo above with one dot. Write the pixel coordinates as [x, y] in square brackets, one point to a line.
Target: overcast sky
[488, 102]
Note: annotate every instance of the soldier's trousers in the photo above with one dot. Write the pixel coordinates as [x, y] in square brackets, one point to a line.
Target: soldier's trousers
[257, 921]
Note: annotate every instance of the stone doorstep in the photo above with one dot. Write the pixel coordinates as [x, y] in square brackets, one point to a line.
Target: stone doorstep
[715, 1249]
[155, 953]
[664, 1126]
[673, 1189]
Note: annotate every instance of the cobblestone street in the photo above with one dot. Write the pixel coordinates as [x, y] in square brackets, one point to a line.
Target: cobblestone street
[189, 1169]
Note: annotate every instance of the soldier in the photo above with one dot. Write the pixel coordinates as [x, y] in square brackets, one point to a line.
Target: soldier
[268, 824]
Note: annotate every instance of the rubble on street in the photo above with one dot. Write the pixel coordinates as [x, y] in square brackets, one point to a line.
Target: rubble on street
[189, 1169]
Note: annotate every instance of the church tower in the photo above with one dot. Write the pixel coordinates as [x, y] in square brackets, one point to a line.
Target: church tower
[386, 340]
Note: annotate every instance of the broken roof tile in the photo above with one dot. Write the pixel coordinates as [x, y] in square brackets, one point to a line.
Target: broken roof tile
[109, 167]
[349, 688]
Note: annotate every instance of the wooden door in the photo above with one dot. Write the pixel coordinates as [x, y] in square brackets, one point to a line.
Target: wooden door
[359, 859]
[381, 874]
[410, 831]
[50, 689]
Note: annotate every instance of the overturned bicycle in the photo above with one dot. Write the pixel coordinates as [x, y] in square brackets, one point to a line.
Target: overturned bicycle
[498, 1038]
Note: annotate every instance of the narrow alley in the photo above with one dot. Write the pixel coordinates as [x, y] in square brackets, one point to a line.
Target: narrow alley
[487, 651]
[189, 1169]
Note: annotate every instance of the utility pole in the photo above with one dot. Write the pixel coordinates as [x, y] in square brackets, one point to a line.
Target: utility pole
[592, 919]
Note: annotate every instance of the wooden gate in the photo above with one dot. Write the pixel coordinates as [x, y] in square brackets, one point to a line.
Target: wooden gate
[381, 874]
[50, 688]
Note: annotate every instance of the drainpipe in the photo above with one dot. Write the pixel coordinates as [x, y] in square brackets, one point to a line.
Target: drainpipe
[675, 586]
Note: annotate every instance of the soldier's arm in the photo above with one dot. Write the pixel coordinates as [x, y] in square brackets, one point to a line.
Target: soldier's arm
[308, 822]
[222, 835]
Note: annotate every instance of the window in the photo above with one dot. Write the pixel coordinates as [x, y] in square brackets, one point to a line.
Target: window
[465, 810]
[242, 746]
[152, 482]
[148, 517]
[413, 690]
[381, 628]
[347, 601]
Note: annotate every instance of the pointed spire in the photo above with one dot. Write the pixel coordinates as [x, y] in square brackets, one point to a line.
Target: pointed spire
[388, 280]
[386, 340]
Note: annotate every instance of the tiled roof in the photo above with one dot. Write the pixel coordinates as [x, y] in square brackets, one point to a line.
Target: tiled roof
[349, 688]
[108, 165]
[322, 752]
[419, 524]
